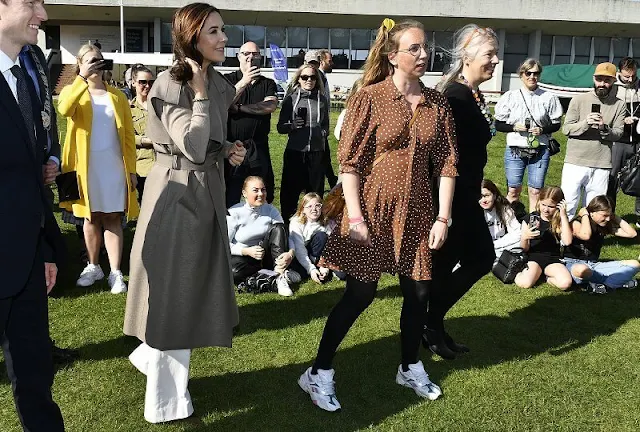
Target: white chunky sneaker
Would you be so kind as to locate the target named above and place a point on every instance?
(90, 274)
(283, 286)
(417, 379)
(292, 276)
(321, 388)
(116, 282)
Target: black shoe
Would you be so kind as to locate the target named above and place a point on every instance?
(63, 355)
(433, 341)
(453, 346)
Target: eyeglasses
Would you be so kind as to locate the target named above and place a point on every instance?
(250, 53)
(478, 31)
(416, 49)
(308, 77)
(532, 73)
(145, 82)
(313, 206)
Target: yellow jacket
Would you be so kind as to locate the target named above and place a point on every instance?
(74, 103)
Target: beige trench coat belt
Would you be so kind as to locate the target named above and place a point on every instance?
(178, 162)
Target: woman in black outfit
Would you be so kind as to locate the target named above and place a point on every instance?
(474, 58)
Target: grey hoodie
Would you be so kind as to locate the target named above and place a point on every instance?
(312, 136)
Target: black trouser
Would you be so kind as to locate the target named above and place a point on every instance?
(235, 177)
(468, 243)
(314, 250)
(140, 187)
(332, 178)
(356, 298)
(620, 153)
(24, 329)
(275, 243)
(301, 171)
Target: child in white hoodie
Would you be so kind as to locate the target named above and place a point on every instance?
(501, 220)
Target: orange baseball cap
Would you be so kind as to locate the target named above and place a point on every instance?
(606, 69)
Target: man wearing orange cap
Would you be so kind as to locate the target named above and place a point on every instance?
(593, 122)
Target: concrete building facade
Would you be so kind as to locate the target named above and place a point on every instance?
(571, 31)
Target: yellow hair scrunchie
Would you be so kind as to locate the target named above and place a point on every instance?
(388, 24)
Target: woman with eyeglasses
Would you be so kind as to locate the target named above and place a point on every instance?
(304, 116)
(396, 135)
(143, 80)
(528, 116)
(469, 248)
(309, 230)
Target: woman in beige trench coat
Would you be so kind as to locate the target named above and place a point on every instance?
(181, 287)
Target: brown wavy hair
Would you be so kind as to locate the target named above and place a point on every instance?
(500, 203)
(377, 66)
(597, 204)
(186, 27)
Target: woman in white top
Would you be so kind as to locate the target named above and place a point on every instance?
(501, 220)
(100, 147)
(529, 116)
(308, 234)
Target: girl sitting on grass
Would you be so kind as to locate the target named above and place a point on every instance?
(308, 234)
(590, 226)
(543, 234)
(500, 217)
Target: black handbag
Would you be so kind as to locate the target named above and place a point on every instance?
(510, 263)
(68, 187)
(629, 176)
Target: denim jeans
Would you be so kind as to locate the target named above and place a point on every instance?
(514, 167)
(612, 274)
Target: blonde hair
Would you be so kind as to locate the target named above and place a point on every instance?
(294, 84)
(303, 202)
(556, 195)
(84, 49)
(377, 66)
(467, 40)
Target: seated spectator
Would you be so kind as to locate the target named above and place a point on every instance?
(543, 234)
(308, 234)
(590, 227)
(501, 219)
(258, 238)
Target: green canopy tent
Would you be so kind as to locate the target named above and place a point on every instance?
(567, 80)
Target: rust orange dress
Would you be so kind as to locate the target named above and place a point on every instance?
(395, 195)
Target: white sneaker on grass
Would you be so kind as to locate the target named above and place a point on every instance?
(116, 282)
(90, 274)
(417, 379)
(283, 286)
(292, 276)
(321, 388)
(632, 284)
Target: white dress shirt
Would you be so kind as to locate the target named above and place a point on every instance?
(5, 67)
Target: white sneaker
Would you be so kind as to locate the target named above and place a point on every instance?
(283, 286)
(90, 275)
(321, 388)
(292, 276)
(116, 282)
(632, 284)
(417, 379)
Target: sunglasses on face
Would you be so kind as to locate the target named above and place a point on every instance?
(308, 77)
(146, 82)
(532, 73)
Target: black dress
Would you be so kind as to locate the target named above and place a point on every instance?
(545, 249)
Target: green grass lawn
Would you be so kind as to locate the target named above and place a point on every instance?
(541, 360)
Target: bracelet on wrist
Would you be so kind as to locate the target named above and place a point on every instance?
(353, 225)
(83, 78)
(200, 99)
(356, 220)
(444, 220)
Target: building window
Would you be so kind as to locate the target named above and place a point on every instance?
(601, 48)
(276, 36)
(339, 39)
(297, 45)
(165, 38)
(360, 44)
(546, 43)
(620, 49)
(256, 34)
(443, 42)
(582, 50)
(235, 33)
(562, 45)
(318, 38)
(516, 50)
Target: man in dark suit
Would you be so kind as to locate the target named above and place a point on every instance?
(27, 227)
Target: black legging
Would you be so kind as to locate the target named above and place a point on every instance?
(275, 243)
(357, 297)
(469, 243)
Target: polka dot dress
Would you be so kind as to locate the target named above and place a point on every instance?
(396, 195)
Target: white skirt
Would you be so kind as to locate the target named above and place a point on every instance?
(107, 181)
(167, 397)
